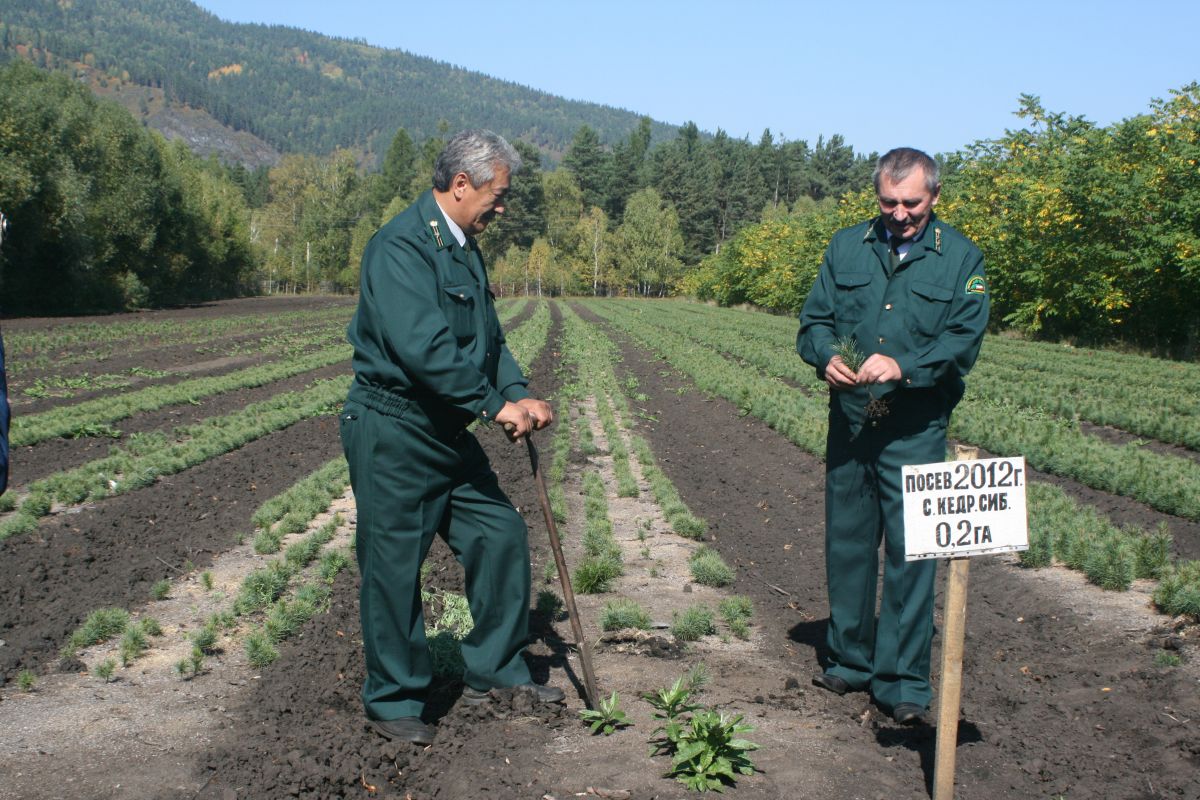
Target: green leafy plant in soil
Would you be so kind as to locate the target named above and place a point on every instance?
(606, 719)
(105, 670)
(708, 752)
(705, 746)
(1178, 591)
(1166, 659)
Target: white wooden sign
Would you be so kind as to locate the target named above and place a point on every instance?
(965, 508)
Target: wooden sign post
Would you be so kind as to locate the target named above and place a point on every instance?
(955, 510)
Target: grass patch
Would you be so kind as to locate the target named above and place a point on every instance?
(100, 626)
(623, 613)
(692, 623)
(709, 569)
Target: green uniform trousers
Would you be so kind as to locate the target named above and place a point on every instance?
(412, 479)
(864, 505)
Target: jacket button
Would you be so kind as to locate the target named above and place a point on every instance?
(881, 340)
(888, 307)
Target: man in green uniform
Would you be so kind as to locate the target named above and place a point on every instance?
(429, 358)
(910, 292)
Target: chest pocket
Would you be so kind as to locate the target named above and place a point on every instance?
(458, 302)
(928, 307)
(852, 296)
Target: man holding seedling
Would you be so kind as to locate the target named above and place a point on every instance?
(893, 323)
(430, 358)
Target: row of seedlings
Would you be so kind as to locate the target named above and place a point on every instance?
(265, 589)
(146, 457)
(285, 592)
(95, 417)
(594, 356)
(92, 341)
(1169, 483)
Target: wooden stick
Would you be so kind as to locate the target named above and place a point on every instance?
(950, 702)
(564, 577)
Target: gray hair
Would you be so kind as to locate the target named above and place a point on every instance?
(899, 163)
(476, 152)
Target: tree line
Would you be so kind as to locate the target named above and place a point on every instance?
(1089, 233)
(632, 218)
(102, 214)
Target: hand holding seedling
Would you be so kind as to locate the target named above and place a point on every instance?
(878, 368)
(838, 375)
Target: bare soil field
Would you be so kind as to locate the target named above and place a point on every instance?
(1061, 696)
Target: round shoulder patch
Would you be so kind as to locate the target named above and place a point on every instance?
(975, 285)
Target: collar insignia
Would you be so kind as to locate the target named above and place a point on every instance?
(437, 234)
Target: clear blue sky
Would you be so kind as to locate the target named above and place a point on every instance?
(799, 68)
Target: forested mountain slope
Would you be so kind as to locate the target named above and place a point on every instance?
(296, 90)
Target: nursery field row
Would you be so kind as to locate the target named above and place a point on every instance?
(802, 419)
(1141, 395)
(1168, 483)
(1129, 369)
(90, 417)
(146, 330)
(34, 351)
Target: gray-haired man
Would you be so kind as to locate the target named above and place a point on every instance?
(429, 358)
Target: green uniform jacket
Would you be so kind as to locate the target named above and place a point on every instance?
(929, 315)
(426, 333)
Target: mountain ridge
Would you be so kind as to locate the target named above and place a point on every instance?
(295, 90)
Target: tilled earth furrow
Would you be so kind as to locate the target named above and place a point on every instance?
(1058, 698)
(110, 552)
(55, 455)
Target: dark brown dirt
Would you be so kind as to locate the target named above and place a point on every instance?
(310, 738)
(1061, 697)
(1054, 702)
(111, 552)
(32, 462)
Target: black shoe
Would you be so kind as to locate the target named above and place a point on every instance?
(405, 729)
(831, 683)
(541, 694)
(908, 714)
